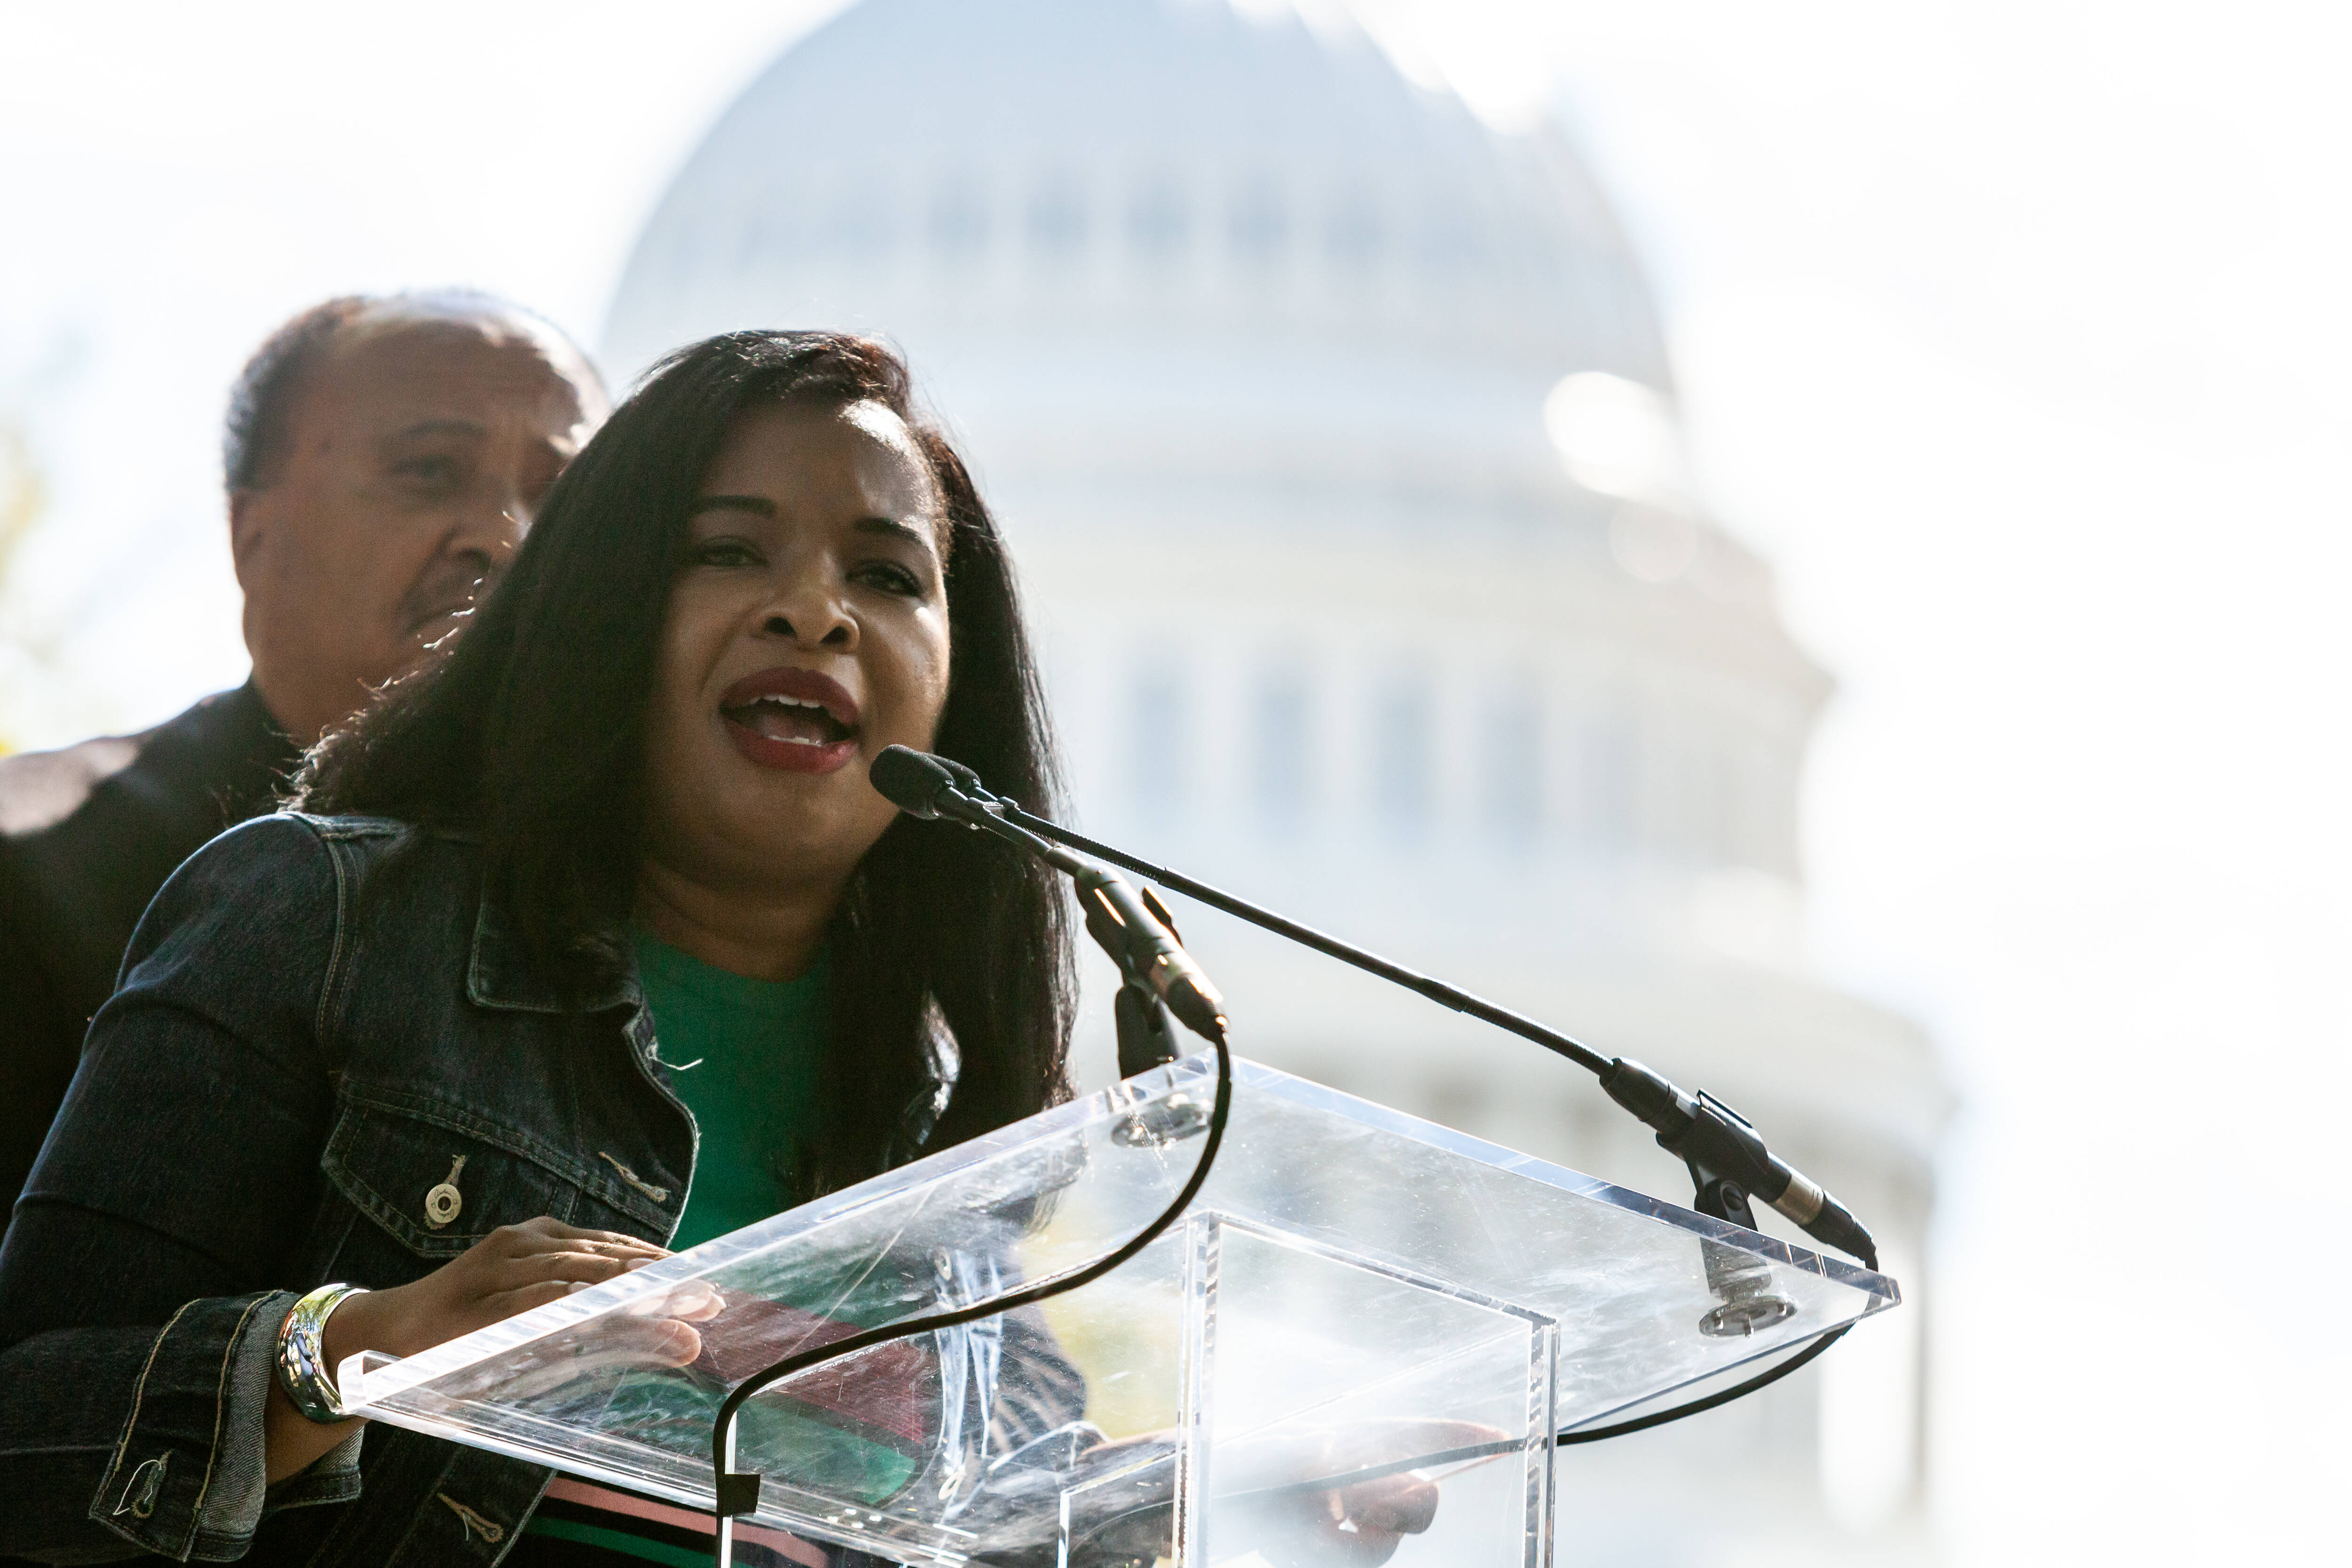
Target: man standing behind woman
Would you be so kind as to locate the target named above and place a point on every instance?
(384, 457)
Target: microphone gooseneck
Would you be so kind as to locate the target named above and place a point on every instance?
(1138, 938)
(1699, 1129)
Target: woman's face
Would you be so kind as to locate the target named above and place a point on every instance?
(807, 630)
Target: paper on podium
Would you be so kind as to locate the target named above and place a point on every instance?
(1356, 1296)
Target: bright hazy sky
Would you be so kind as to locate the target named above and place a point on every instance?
(2015, 334)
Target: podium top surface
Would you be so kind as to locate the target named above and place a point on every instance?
(1363, 1249)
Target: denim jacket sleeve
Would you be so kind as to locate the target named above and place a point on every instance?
(140, 1288)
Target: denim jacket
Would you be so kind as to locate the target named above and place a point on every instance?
(317, 1017)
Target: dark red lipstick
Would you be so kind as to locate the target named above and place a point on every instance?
(792, 720)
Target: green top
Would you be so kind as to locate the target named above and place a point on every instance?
(744, 1055)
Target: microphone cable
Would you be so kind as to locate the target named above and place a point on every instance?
(738, 1494)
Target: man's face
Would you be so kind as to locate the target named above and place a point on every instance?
(413, 458)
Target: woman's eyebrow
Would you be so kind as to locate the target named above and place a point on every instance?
(758, 505)
(896, 530)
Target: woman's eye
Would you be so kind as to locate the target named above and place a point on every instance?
(891, 578)
(724, 552)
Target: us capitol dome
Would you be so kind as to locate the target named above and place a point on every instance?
(1335, 437)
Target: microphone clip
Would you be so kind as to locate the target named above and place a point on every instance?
(1146, 1024)
(1740, 1281)
(1159, 984)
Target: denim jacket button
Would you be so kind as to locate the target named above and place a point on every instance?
(442, 1204)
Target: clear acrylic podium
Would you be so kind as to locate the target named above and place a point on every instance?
(1357, 1300)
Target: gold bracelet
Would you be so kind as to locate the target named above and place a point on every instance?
(302, 1369)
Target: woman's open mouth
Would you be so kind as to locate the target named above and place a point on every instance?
(792, 720)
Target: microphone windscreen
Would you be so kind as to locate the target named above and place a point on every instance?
(909, 780)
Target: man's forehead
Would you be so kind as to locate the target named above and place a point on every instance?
(407, 367)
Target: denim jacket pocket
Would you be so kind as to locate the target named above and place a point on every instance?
(437, 1177)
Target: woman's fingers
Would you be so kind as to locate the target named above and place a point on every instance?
(576, 1262)
(694, 1303)
(689, 1301)
(615, 1258)
(512, 1270)
(504, 1304)
(497, 1306)
(1359, 1526)
(548, 1225)
(1402, 1504)
(670, 1343)
(635, 1343)
(581, 1268)
(641, 1346)
(567, 1272)
(545, 1235)
(527, 1243)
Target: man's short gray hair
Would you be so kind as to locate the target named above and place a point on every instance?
(262, 400)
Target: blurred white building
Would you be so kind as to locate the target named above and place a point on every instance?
(1336, 439)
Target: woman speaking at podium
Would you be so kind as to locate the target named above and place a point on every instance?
(589, 940)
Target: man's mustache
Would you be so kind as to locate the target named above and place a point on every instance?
(449, 585)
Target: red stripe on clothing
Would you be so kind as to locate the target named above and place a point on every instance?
(564, 1489)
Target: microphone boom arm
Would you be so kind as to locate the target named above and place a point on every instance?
(1698, 1129)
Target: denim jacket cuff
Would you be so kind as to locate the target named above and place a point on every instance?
(332, 1476)
(187, 1478)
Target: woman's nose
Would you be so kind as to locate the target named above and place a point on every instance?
(812, 615)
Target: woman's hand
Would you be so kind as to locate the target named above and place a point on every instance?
(1358, 1526)
(512, 1270)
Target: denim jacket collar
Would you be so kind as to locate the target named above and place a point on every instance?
(500, 973)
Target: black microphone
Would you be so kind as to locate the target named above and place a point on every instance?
(1708, 1134)
(930, 788)
(912, 780)
(1151, 948)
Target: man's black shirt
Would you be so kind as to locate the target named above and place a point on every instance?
(86, 835)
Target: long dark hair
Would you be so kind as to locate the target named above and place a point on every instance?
(528, 734)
